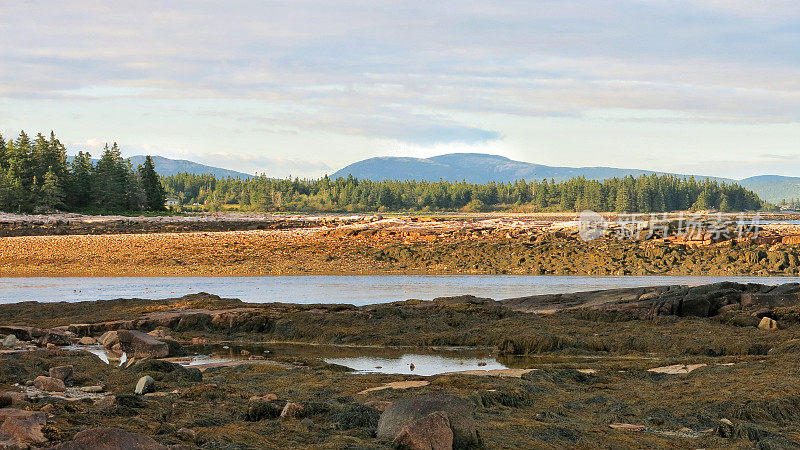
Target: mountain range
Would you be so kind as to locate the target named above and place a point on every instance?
(482, 168)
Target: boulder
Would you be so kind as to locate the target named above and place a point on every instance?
(768, 324)
(145, 385)
(404, 413)
(63, 373)
(109, 339)
(49, 384)
(87, 340)
(431, 432)
(38, 416)
(141, 345)
(10, 341)
(108, 438)
(292, 410)
(26, 430)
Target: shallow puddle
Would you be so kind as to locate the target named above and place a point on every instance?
(416, 364)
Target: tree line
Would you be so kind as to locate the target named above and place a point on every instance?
(37, 176)
(645, 194)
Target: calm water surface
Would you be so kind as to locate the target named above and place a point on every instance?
(357, 290)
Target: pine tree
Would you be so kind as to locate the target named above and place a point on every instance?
(153, 190)
(49, 195)
(3, 155)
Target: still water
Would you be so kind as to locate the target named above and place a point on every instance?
(353, 289)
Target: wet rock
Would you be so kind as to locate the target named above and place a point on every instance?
(431, 432)
(768, 324)
(110, 438)
(87, 340)
(10, 341)
(405, 412)
(174, 348)
(141, 345)
(25, 430)
(63, 373)
(145, 385)
(292, 410)
(49, 384)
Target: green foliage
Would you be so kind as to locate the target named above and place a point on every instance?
(35, 177)
(151, 186)
(649, 193)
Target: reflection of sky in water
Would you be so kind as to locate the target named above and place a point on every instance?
(352, 289)
(424, 365)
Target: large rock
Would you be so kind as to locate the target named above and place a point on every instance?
(404, 413)
(768, 324)
(38, 416)
(26, 430)
(109, 339)
(49, 384)
(141, 345)
(10, 341)
(145, 385)
(431, 432)
(108, 438)
(63, 373)
(22, 333)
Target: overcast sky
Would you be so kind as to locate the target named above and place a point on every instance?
(304, 87)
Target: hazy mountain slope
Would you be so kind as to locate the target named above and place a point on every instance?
(773, 188)
(472, 167)
(166, 167)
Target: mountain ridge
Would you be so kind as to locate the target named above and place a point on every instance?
(483, 168)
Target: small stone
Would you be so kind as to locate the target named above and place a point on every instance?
(10, 341)
(63, 373)
(308, 423)
(198, 341)
(51, 346)
(245, 353)
(92, 389)
(291, 410)
(105, 402)
(145, 385)
(768, 324)
(725, 428)
(87, 340)
(264, 398)
(49, 384)
(46, 408)
(186, 434)
(109, 339)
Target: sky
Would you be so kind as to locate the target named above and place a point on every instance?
(304, 87)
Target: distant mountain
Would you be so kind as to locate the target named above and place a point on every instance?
(167, 167)
(773, 188)
(483, 168)
(474, 168)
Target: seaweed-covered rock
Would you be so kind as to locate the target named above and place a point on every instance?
(108, 438)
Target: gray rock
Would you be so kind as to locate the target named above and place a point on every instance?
(10, 341)
(404, 413)
(145, 385)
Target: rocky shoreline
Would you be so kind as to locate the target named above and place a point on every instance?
(664, 366)
(398, 246)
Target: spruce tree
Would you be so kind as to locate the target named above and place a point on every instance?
(151, 185)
